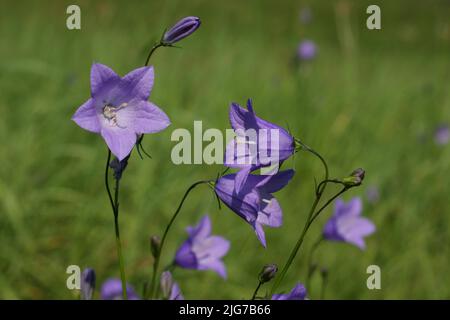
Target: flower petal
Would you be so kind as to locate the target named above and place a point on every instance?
(185, 258)
(144, 117)
(260, 233)
(101, 75)
(202, 230)
(86, 117)
(270, 213)
(138, 83)
(119, 141)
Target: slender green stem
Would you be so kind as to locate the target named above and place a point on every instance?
(344, 189)
(324, 285)
(115, 208)
(153, 290)
(256, 290)
(153, 49)
(319, 192)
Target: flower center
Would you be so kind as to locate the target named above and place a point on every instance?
(109, 112)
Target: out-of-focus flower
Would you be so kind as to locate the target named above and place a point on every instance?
(268, 272)
(307, 50)
(202, 251)
(442, 134)
(347, 225)
(258, 143)
(255, 203)
(182, 29)
(169, 288)
(87, 285)
(372, 194)
(298, 293)
(118, 108)
(112, 290)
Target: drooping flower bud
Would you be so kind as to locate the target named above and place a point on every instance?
(181, 30)
(268, 272)
(87, 285)
(155, 245)
(355, 178)
(119, 166)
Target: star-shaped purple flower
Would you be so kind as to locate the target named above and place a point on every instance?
(258, 143)
(169, 288)
(347, 225)
(202, 251)
(298, 293)
(112, 290)
(118, 108)
(255, 203)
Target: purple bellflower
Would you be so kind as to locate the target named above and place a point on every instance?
(442, 134)
(298, 293)
(255, 203)
(347, 225)
(182, 29)
(112, 290)
(118, 108)
(169, 288)
(307, 50)
(258, 143)
(202, 251)
(87, 284)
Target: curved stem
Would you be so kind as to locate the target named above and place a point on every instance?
(156, 46)
(166, 231)
(256, 290)
(115, 208)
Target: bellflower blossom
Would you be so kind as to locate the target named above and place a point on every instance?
(258, 143)
(255, 203)
(298, 293)
(202, 251)
(307, 50)
(112, 290)
(118, 108)
(87, 284)
(347, 225)
(442, 134)
(169, 288)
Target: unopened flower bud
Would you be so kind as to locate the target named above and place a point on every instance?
(166, 284)
(87, 284)
(268, 272)
(155, 245)
(181, 30)
(355, 178)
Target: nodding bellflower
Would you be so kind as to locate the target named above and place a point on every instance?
(202, 251)
(118, 109)
(169, 288)
(258, 143)
(297, 293)
(347, 225)
(255, 203)
(112, 290)
(182, 29)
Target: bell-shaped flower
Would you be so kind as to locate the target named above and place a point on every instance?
(255, 203)
(203, 251)
(118, 109)
(298, 293)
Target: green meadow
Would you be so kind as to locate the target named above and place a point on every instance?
(370, 98)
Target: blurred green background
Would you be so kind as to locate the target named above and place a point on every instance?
(369, 99)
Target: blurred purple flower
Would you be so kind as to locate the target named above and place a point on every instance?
(298, 293)
(307, 50)
(442, 134)
(87, 284)
(255, 203)
(112, 290)
(258, 143)
(347, 225)
(201, 251)
(118, 108)
(182, 29)
(305, 15)
(169, 288)
(373, 194)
